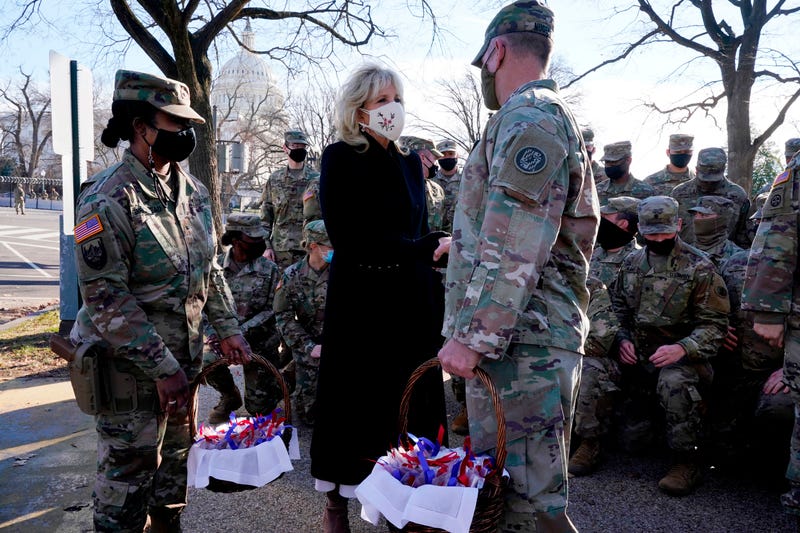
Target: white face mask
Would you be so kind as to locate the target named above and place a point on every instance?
(387, 120)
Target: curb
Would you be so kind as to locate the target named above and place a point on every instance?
(17, 321)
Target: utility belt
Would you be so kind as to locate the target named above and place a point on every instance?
(102, 384)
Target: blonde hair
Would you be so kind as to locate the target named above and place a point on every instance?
(362, 85)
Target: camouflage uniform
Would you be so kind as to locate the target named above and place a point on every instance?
(524, 226)
(662, 300)
(450, 184)
(665, 180)
(597, 169)
(755, 215)
(711, 234)
(630, 186)
(283, 206)
(772, 293)
(19, 199)
(711, 180)
(300, 309)
(252, 286)
(604, 264)
(434, 192)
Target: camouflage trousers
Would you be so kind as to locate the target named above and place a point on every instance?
(538, 387)
(261, 390)
(305, 391)
(598, 390)
(791, 376)
(676, 389)
(141, 461)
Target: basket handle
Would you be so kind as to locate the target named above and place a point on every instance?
(201, 377)
(500, 456)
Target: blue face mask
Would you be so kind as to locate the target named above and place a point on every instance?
(328, 257)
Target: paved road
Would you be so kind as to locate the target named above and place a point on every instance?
(29, 258)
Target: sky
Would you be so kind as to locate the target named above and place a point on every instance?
(587, 32)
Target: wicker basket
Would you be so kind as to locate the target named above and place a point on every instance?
(218, 485)
(489, 507)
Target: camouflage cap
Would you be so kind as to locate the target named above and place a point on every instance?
(679, 142)
(588, 136)
(315, 231)
(792, 146)
(410, 142)
(712, 205)
(447, 145)
(711, 164)
(170, 96)
(295, 136)
(517, 17)
(247, 223)
(621, 204)
(616, 151)
(658, 214)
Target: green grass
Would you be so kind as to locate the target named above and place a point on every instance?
(25, 350)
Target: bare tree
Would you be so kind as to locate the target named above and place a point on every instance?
(311, 110)
(742, 64)
(27, 124)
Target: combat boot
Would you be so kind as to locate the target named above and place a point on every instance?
(585, 458)
(460, 424)
(164, 520)
(682, 478)
(335, 519)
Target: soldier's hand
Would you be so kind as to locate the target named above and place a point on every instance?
(173, 392)
(772, 333)
(236, 350)
(442, 249)
(269, 253)
(775, 384)
(667, 355)
(316, 351)
(627, 352)
(458, 359)
(731, 341)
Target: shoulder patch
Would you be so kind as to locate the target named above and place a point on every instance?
(530, 160)
(776, 200)
(308, 195)
(87, 228)
(94, 254)
(783, 177)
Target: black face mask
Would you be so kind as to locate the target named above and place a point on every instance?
(610, 236)
(174, 145)
(447, 163)
(432, 171)
(298, 155)
(615, 172)
(707, 186)
(253, 250)
(680, 160)
(661, 247)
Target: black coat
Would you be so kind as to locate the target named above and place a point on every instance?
(382, 314)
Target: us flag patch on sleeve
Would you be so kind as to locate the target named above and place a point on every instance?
(781, 178)
(309, 194)
(87, 228)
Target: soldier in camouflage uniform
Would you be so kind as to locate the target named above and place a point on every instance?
(754, 219)
(617, 160)
(599, 383)
(434, 192)
(619, 223)
(598, 171)
(711, 181)
(711, 217)
(19, 199)
(449, 177)
(673, 311)
(252, 279)
(772, 293)
(284, 199)
(677, 170)
(300, 309)
(516, 301)
(145, 254)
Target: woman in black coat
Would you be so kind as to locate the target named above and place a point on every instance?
(381, 318)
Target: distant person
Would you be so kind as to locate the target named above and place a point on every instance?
(616, 237)
(434, 192)
(19, 199)
(449, 177)
(598, 171)
(283, 201)
(373, 203)
(617, 160)
(710, 180)
(677, 170)
(525, 222)
(147, 271)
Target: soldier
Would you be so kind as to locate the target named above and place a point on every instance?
(772, 294)
(711, 181)
(525, 222)
(754, 219)
(677, 170)
(449, 177)
(145, 254)
(599, 383)
(252, 279)
(619, 223)
(617, 159)
(434, 192)
(283, 201)
(711, 221)
(300, 309)
(598, 171)
(673, 312)
(19, 199)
